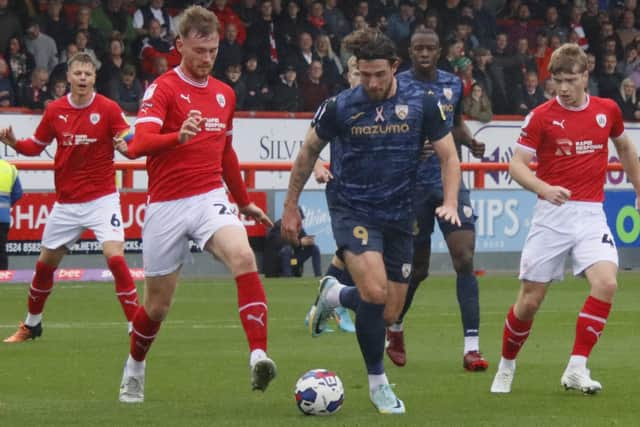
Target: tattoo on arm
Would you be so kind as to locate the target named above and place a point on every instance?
(303, 165)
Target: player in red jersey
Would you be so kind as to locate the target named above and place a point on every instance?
(184, 128)
(569, 136)
(84, 124)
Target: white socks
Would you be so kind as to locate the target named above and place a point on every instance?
(33, 319)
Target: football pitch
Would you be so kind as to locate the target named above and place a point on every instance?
(197, 372)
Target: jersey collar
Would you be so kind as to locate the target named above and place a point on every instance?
(80, 106)
(579, 108)
(183, 77)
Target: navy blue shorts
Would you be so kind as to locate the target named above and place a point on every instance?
(356, 234)
(426, 200)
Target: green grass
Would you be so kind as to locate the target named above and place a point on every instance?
(197, 372)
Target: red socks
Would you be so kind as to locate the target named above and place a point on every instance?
(515, 334)
(40, 287)
(125, 286)
(589, 326)
(252, 305)
(144, 332)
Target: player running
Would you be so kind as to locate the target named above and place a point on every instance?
(424, 50)
(569, 136)
(184, 127)
(376, 131)
(84, 124)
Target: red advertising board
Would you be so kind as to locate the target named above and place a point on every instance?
(30, 214)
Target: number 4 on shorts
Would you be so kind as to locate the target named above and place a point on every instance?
(607, 239)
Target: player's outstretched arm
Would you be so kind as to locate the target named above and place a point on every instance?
(519, 170)
(7, 137)
(302, 168)
(450, 164)
(629, 159)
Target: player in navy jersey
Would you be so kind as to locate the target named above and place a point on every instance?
(424, 51)
(377, 131)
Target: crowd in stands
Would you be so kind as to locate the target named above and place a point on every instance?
(284, 55)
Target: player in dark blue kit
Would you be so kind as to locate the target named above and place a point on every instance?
(424, 50)
(377, 131)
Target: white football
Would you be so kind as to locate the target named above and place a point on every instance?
(319, 392)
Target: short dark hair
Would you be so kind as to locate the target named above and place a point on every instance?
(370, 44)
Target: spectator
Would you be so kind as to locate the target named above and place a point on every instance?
(484, 23)
(283, 259)
(331, 64)
(126, 89)
(60, 71)
(286, 95)
(21, 62)
(316, 18)
(401, 22)
(265, 41)
(58, 90)
(491, 77)
(522, 27)
(9, 25)
(549, 89)
(42, 47)
(7, 94)
(233, 77)
(627, 30)
(530, 94)
(10, 193)
(525, 63)
(155, 45)
(160, 66)
(258, 92)
(609, 80)
(247, 11)
(454, 51)
(111, 66)
(591, 21)
(83, 22)
(465, 72)
(432, 21)
(54, 24)
(303, 55)
(154, 10)
(592, 85)
(626, 99)
(291, 24)
(82, 43)
(477, 105)
(312, 89)
(630, 62)
(422, 9)
(113, 19)
(606, 34)
(226, 16)
(575, 26)
(336, 24)
(230, 51)
(552, 25)
(542, 56)
(464, 33)
(35, 93)
(449, 12)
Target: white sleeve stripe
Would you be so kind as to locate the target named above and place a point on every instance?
(525, 148)
(149, 120)
(37, 141)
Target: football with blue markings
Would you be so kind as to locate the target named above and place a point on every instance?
(319, 392)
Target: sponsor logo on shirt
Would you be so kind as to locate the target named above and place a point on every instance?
(69, 139)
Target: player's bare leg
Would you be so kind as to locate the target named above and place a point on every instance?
(158, 295)
(230, 244)
(589, 326)
(41, 287)
(516, 331)
(124, 285)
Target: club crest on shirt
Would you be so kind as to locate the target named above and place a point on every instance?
(601, 120)
(448, 93)
(148, 94)
(94, 118)
(221, 101)
(402, 111)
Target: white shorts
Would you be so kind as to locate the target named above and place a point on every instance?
(68, 221)
(578, 229)
(168, 226)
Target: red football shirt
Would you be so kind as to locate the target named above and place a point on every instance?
(572, 144)
(194, 167)
(84, 156)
